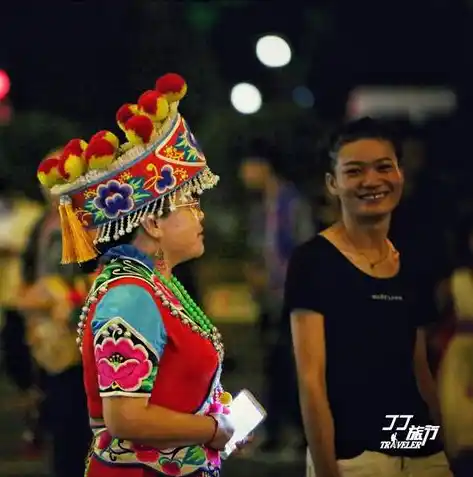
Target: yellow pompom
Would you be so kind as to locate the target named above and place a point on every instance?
(107, 136)
(126, 112)
(73, 167)
(162, 109)
(72, 163)
(133, 138)
(173, 86)
(101, 151)
(154, 105)
(139, 130)
(49, 173)
(226, 398)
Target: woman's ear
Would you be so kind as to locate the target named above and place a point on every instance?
(151, 226)
(402, 173)
(331, 184)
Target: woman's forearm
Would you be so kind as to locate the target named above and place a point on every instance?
(160, 427)
(164, 444)
(319, 430)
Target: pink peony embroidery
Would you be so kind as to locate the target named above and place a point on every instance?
(121, 364)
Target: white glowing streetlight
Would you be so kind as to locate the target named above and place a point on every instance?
(246, 98)
(273, 51)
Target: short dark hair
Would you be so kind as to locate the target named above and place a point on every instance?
(364, 128)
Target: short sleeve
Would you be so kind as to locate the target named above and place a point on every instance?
(302, 289)
(129, 339)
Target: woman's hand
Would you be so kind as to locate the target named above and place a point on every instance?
(223, 432)
(242, 445)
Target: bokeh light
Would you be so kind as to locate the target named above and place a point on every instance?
(4, 84)
(246, 98)
(273, 51)
(303, 97)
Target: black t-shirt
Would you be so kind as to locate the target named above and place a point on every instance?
(370, 330)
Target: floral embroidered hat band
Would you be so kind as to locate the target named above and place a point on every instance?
(108, 188)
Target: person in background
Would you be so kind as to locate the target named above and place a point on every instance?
(455, 349)
(455, 293)
(456, 398)
(279, 220)
(18, 214)
(358, 319)
(415, 226)
(51, 299)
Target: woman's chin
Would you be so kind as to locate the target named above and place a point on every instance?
(200, 250)
(196, 251)
(192, 252)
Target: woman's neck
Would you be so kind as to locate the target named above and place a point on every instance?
(367, 234)
(165, 271)
(148, 247)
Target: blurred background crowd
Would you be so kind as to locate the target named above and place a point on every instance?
(267, 80)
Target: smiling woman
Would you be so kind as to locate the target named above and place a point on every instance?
(357, 318)
(365, 174)
(152, 358)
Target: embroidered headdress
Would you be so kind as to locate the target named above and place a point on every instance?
(108, 188)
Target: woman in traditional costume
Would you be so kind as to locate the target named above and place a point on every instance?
(152, 358)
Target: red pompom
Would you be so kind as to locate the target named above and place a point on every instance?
(139, 129)
(100, 153)
(126, 112)
(48, 164)
(172, 85)
(108, 136)
(98, 148)
(72, 163)
(154, 105)
(98, 135)
(48, 172)
(74, 147)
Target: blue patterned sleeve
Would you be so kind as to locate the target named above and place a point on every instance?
(129, 339)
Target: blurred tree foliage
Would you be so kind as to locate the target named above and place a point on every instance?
(26, 141)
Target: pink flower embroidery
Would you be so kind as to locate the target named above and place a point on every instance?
(213, 456)
(121, 364)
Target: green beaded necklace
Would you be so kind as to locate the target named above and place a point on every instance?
(193, 310)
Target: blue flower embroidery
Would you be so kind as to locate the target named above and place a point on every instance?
(167, 180)
(114, 198)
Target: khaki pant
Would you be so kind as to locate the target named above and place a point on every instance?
(374, 464)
